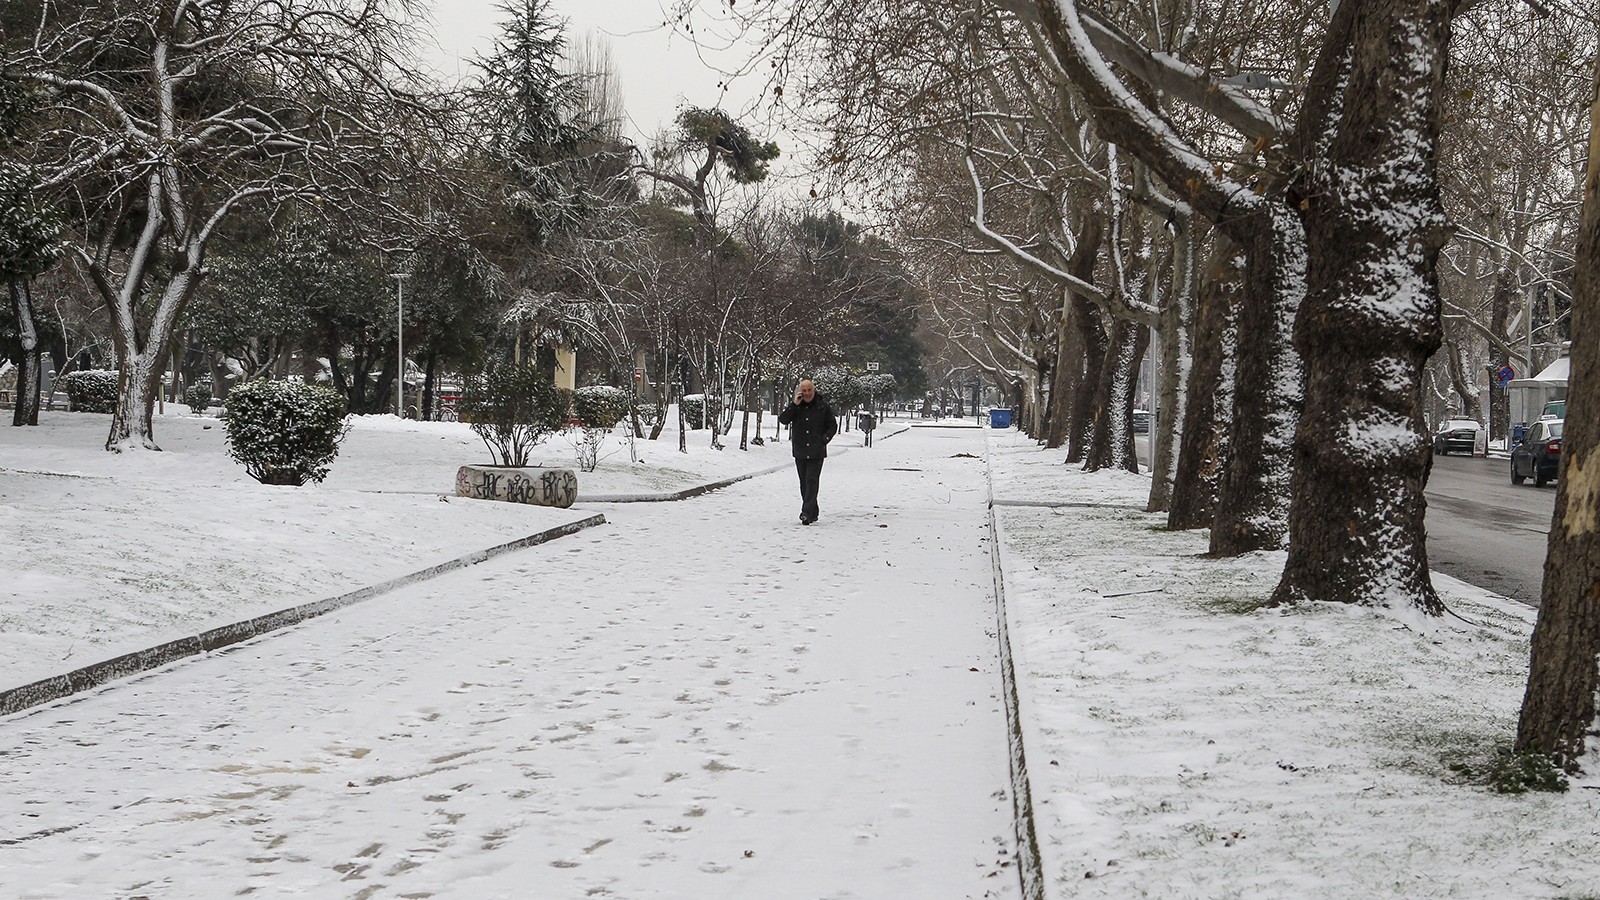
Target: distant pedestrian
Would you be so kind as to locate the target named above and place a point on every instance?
(811, 427)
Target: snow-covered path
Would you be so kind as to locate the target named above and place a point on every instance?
(699, 700)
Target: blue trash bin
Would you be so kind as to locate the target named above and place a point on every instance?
(1518, 432)
(999, 418)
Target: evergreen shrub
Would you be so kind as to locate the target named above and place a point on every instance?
(599, 406)
(198, 396)
(90, 390)
(284, 432)
(693, 404)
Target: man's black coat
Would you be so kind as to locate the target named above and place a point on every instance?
(811, 427)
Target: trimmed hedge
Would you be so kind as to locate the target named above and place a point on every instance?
(599, 406)
(90, 390)
(693, 404)
(285, 432)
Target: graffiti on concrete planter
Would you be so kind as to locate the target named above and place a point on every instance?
(541, 487)
(560, 487)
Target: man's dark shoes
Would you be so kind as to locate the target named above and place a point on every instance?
(807, 520)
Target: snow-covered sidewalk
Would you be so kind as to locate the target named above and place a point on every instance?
(1184, 742)
(700, 699)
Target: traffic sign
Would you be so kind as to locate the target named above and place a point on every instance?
(872, 367)
(1505, 375)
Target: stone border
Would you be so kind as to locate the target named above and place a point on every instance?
(1030, 867)
(94, 675)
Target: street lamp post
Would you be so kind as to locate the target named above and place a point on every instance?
(399, 343)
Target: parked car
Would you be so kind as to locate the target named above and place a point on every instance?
(1141, 421)
(1538, 454)
(1460, 435)
(1554, 409)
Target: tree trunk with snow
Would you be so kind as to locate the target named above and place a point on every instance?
(26, 410)
(1252, 507)
(1111, 445)
(1073, 343)
(1467, 402)
(1177, 317)
(1209, 405)
(142, 353)
(1558, 710)
(1092, 335)
(1499, 423)
(1372, 313)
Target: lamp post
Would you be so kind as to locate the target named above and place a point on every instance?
(399, 343)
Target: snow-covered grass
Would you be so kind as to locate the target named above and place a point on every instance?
(1183, 741)
(116, 552)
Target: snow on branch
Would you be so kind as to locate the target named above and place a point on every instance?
(1044, 268)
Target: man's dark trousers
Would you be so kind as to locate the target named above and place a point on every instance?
(810, 476)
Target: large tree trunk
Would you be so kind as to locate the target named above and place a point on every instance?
(1466, 391)
(1092, 335)
(1072, 345)
(1372, 316)
(26, 411)
(1558, 710)
(1208, 409)
(138, 383)
(1112, 444)
(1064, 377)
(1252, 508)
(1177, 317)
(142, 363)
(425, 413)
(1499, 318)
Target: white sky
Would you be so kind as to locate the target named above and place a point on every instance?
(660, 71)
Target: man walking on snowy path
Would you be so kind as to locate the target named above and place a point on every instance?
(811, 427)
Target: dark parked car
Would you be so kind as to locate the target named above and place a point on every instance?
(1459, 435)
(1538, 454)
(1141, 421)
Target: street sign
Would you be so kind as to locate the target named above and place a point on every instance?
(638, 374)
(872, 367)
(1505, 375)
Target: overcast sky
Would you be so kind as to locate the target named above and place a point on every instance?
(660, 71)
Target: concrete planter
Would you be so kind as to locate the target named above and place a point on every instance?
(541, 487)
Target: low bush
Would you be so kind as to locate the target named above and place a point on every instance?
(694, 410)
(649, 411)
(599, 406)
(284, 432)
(198, 396)
(512, 407)
(90, 390)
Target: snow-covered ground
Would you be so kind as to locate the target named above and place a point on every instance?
(703, 699)
(1184, 742)
(117, 552)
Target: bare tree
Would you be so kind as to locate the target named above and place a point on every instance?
(184, 111)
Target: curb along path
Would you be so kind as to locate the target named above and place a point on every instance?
(94, 675)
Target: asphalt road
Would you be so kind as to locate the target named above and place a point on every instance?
(1485, 531)
(1481, 528)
